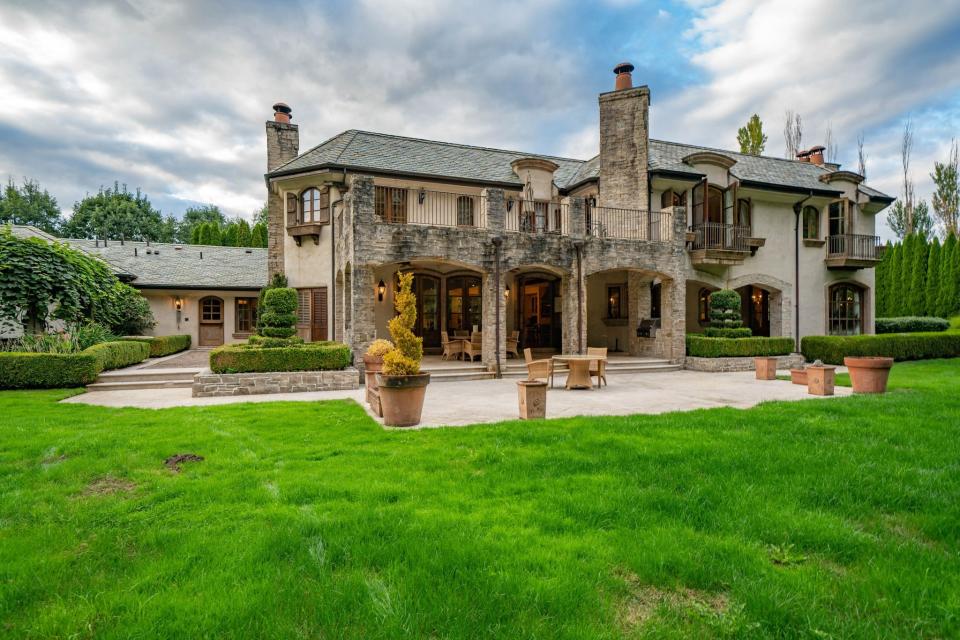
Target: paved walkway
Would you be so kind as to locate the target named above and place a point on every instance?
(191, 359)
(476, 401)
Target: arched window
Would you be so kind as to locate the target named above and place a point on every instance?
(846, 310)
(811, 223)
(703, 306)
(464, 211)
(314, 206)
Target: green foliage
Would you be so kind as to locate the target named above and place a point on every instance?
(277, 318)
(725, 309)
(881, 273)
(922, 221)
(312, 356)
(209, 234)
(948, 300)
(270, 343)
(751, 138)
(53, 342)
(404, 359)
(911, 324)
(258, 235)
(47, 370)
(163, 345)
(189, 226)
(946, 197)
(899, 346)
(932, 282)
(916, 292)
(236, 234)
(115, 213)
(122, 353)
(703, 347)
(29, 204)
(739, 332)
(88, 334)
(42, 281)
(919, 278)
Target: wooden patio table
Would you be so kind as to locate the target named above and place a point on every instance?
(579, 376)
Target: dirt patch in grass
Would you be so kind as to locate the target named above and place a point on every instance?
(173, 462)
(108, 485)
(644, 599)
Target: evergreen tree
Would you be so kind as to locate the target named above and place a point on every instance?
(951, 295)
(258, 235)
(889, 282)
(903, 277)
(193, 217)
(243, 233)
(944, 274)
(228, 237)
(917, 293)
(931, 297)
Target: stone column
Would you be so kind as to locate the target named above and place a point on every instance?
(495, 209)
(492, 290)
(671, 338)
(578, 218)
(679, 227)
(361, 295)
(574, 310)
(638, 300)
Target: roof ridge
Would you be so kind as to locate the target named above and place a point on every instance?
(469, 146)
(738, 153)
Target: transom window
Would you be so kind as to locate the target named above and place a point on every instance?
(846, 310)
(246, 313)
(811, 223)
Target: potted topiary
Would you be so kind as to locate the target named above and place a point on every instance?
(402, 387)
(868, 374)
(372, 365)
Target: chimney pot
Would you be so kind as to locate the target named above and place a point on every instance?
(624, 79)
(816, 155)
(282, 113)
(803, 156)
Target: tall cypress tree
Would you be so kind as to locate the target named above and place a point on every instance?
(903, 277)
(953, 295)
(932, 296)
(947, 290)
(880, 282)
(892, 280)
(918, 278)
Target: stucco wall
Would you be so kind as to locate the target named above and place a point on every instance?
(165, 313)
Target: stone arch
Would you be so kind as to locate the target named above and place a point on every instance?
(779, 296)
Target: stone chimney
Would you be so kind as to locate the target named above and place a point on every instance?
(816, 155)
(624, 135)
(283, 145)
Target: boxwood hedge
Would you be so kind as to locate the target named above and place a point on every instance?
(727, 332)
(163, 345)
(247, 358)
(910, 324)
(899, 346)
(704, 347)
(47, 370)
(122, 353)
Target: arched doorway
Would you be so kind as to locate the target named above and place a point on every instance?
(211, 322)
(464, 303)
(537, 311)
(755, 309)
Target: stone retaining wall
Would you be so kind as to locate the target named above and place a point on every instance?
(739, 364)
(208, 384)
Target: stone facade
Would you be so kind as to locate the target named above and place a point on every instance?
(739, 364)
(624, 148)
(208, 384)
(283, 144)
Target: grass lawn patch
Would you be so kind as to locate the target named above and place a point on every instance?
(835, 518)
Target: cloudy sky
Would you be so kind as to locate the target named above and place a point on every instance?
(171, 96)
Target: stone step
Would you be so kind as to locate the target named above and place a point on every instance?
(146, 375)
(143, 384)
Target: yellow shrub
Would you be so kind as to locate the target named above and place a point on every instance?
(404, 359)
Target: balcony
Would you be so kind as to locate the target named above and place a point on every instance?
(396, 205)
(719, 244)
(537, 217)
(852, 251)
(629, 224)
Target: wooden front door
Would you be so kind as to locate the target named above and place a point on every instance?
(312, 314)
(211, 322)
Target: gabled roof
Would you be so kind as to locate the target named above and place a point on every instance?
(171, 266)
(383, 153)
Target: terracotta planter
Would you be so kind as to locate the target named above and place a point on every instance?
(820, 380)
(533, 399)
(766, 367)
(869, 374)
(401, 398)
(798, 376)
(371, 367)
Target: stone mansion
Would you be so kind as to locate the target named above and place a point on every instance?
(618, 251)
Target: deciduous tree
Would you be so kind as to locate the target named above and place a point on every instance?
(29, 204)
(751, 137)
(115, 213)
(946, 197)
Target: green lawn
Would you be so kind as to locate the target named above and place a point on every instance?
(823, 519)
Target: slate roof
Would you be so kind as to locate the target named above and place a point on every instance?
(172, 265)
(379, 152)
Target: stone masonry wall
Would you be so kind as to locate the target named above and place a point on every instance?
(283, 144)
(624, 148)
(208, 384)
(717, 365)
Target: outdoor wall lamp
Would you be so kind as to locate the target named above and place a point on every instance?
(506, 292)
(510, 204)
(421, 196)
(178, 305)
(381, 289)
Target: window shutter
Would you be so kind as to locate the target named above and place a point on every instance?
(291, 209)
(323, 215)
(303, 308)
(320, 311)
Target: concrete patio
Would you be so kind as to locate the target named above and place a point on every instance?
(479, 401)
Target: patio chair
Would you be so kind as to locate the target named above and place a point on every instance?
(451, 348)
(513, 344)
(598, 368)
(538, 369)
(473, 347)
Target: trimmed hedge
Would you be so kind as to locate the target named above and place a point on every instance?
(728, 332)
(162, 345)
(47, 370)
(910, 324)
(123, 353)
(899, 346)
(254, 359)
(703, 347)
(272, 343)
